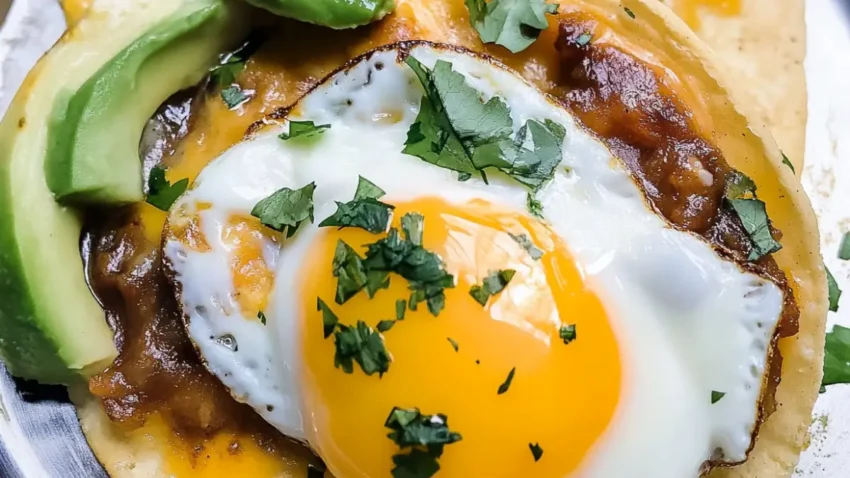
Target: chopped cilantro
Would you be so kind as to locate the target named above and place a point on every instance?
(507, 383)
(363, 345)
(303, 129)
(629, 12)
(348, 269)
(161, 193)
(233, 96)
(536, 153)
(225, 74)
(367, 189)
(416, 464)
(492, 285)
(514, 24)
(364, 211)
(412, 225)
(400, 307)
(454, 343)
(583, 39)
(261, 317)
(526, 244)
(536, 451)
(716, 396)
(787, 162)
(834, 291)
(836, 362)
(425, 435)
(286, 209)
(844, 248)
(385, 325)
(375, 281)
(757, 225)
(534, 206)
(739, 185)
(329, 319)
(568, 333)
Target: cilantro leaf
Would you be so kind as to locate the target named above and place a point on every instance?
(629, 12)
(834, 291)
(375, 281)
(412, 225)
(836, 362)
(526, 244)
(538, 152)
(349, 271)
(739, 185)
(261, 317)
(161, 193)
(514, 24)
(233, 96)
(568, 333)
(400, 308)
(385, 325)
(286, 209)
(410, 428)
(787, 162)
(303, 129)
(363, 345)
(454, 343)
(757, 225)
(844, 248)
(507, 383)
(367, 213)
(225, 74)
(492, 285)
(329, 319)
(534, 206)
(367, 190)
(536, 451)
(716, 396)
(416, 464)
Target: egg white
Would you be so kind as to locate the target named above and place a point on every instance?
(687, 321)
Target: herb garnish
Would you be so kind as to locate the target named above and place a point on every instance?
(514, 24)
(716, 396)
(286, 209)
(363, 345)
(303, 129)
(329, 319)
(261, 317)
(534, 206)
(385, 325)
(492, 285)
(844, 248)
(568, 333)
(836, 361)
(225, 73)
(629, 12)
(834, 291)
(787, 162)
(536, 451)
(400, 308)
(161, 193)
(454, 343)
(583, 39)
(507, 383)
(741, 199)
(348, 269)
(455, 129)
(528, 245)
(233, 96)
(364, 211)
(425, 435)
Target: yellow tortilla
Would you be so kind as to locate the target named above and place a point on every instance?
(724, 106)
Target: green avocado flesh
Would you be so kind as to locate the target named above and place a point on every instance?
(94, 131)
(51, 327)
(330, 13)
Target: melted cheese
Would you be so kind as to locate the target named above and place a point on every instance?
(690, 10)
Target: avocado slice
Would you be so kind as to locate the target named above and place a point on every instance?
(330, 13)
(95, 128)
(51, 327)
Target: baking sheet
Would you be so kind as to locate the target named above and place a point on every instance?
(39, 432)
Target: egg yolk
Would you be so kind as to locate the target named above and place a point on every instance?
(562, 396)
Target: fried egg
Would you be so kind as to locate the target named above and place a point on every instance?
(672, 340)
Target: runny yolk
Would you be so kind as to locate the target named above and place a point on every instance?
(562, 396)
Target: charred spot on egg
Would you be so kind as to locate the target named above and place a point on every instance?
(446, 199)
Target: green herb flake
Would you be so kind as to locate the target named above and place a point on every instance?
(286, 209)
(528, 245)
(787, 162)
(400, 309)
(492, 285)
(225, 74)
(844, 248)
(364, 211)
(424, 435)
(161, 193)
(348, 268)
(454, 343)
(329, 319)
(534, 206)
(233, 96)
(385, 325)
(836, 362)
(739, 185)
(834, 291)
(367, 190)
(536, 451)
(303, 130)
(568, 333)
(716, 396)
(412, 226)
(363, 345)
(629, 12)
(507, 383)
(261, 317)
(375, 281)
(514, 24)
(583, 39)
(757, 226)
